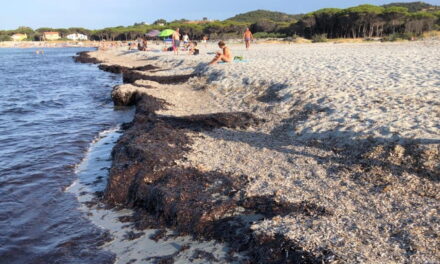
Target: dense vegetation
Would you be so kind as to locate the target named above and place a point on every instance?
(257, 15)
(414, 6)
(364, 21)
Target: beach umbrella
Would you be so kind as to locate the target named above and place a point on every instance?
(153, 33)
(166, 33)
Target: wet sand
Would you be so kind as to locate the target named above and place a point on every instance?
(127, 243)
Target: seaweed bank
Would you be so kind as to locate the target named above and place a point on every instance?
(318, 152)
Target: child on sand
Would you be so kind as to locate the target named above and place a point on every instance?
(225, 55)
(193, 50)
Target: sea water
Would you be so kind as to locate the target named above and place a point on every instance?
(50, 110)
(58, 126)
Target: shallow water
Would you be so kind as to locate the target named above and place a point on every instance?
(58, 126)
(50, 110)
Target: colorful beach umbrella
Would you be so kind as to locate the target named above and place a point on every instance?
(153, 33)
(166, 33)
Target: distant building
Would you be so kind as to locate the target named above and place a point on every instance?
(141, 24)
(203, 21)
(77, 36)
(18, 37)
(51, 36)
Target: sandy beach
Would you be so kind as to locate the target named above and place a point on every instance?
(330, 149)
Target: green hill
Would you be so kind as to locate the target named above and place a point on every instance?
(257, 15)
(415, 6)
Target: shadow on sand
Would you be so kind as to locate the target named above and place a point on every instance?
(353, 150)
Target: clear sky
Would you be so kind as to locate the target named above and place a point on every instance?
(95, 14)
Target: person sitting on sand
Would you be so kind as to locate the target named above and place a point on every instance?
(193, 50)
(225, 56)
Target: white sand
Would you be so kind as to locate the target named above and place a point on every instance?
(323, 102)
(366, 89)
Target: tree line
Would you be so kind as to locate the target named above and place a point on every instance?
(364, 21)
(413, 6)
(215, 30)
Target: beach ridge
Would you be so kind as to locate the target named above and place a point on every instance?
(218, 157)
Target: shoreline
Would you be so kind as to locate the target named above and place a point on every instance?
(181, 163)
(274, 41)
(183, 216)
(53, 44)
(123, 239)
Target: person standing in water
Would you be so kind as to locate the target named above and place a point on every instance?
(176, 41)
(247, 36)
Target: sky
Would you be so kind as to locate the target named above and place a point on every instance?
(96, 14)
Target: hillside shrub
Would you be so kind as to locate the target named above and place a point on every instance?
(399, 36)
(261, 35)
(319, 38)
(5, 38)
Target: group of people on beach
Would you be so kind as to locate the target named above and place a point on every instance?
(190, 46)
(224, 56)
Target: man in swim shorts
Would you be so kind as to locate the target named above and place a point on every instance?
(176, 41)
(248, 37)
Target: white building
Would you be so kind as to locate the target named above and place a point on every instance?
(77, 36)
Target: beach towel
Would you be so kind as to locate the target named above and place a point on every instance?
(235, 61)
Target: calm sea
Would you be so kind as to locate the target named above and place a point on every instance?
(50, 111)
